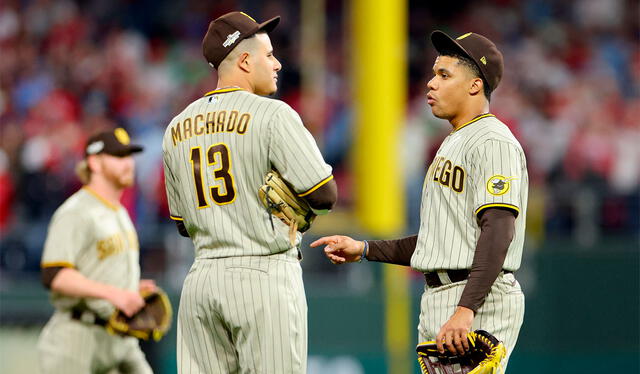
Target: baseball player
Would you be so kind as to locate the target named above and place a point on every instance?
(473, 210)
(90, 264)
(243, 306)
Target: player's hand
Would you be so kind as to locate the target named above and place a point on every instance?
(340, 249)
(453, 334)
(147, 285)
(128, 301)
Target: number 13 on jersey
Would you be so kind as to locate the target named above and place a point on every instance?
(217, 156)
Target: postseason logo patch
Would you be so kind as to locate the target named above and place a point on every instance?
(499, 184)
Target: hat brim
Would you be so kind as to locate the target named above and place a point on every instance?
(444, 43)
(127, 150)
(134, 148)
(269, 25)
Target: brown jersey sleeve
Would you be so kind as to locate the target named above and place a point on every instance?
(396, 251)
(48, 274)
(325, 197)
(498, 227)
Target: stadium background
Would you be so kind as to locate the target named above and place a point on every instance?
(570, 94)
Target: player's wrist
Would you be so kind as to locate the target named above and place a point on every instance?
(364, 250)
(465, 310)
(109, 293)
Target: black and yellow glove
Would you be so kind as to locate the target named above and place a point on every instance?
(484, 356)
(152, 321)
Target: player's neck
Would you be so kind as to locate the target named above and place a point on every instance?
(105, 190)
(232, 82)
(468, 113)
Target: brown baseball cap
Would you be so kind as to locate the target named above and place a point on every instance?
(478, 48)
(227, 31)
(115, 142)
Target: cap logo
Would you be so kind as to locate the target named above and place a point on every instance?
(231, 38)
(463, 36)
(122, 136)
(483, 60)
(95, 147)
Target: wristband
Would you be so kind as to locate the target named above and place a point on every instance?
(364, 250)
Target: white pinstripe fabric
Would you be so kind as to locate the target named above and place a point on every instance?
(243, 315)
(449, 228)
(67, 346)
(80, 231)
(275, 137)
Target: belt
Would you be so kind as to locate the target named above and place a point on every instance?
(439, 277)
(87, 316)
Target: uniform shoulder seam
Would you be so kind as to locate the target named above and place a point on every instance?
(500, 138)
(72, 206)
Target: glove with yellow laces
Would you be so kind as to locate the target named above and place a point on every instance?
(484, 356)
(282, 201)
(152, 321)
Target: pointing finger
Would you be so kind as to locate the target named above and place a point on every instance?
(324, 240)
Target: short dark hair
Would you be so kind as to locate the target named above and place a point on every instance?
(473, 68)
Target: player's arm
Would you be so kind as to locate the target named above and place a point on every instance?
(182, 229)
(341, 249)
(293, 152)
(324, 198)
(497, 227)
(396, 251)
(66, 238)
(497, 197)
(172, 196)
(71, 282)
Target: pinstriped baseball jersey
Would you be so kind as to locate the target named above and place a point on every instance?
(478, 166)
(99, 240)
(216, 153)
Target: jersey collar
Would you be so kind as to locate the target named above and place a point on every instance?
(101, 199)
(223, 90)
(474, 120)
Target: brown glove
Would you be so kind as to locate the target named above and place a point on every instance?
(484, 356)
(281, 201)
(153, 320)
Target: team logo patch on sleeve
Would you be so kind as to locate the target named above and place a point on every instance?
(499, 184)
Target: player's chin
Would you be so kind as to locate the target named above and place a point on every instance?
(437, 112)
(267, 91)
(273, 89)
(127, 181)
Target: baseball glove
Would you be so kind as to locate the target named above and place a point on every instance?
(484, 356)
(153, 320)
(281, 201)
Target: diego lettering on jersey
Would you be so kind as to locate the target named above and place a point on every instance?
(447, 174)
(210, 123)
(116, 243)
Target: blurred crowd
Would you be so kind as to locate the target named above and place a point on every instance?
(69, 68)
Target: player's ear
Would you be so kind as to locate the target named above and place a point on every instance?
(476, 86)
(243, 62)
(94, 163)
